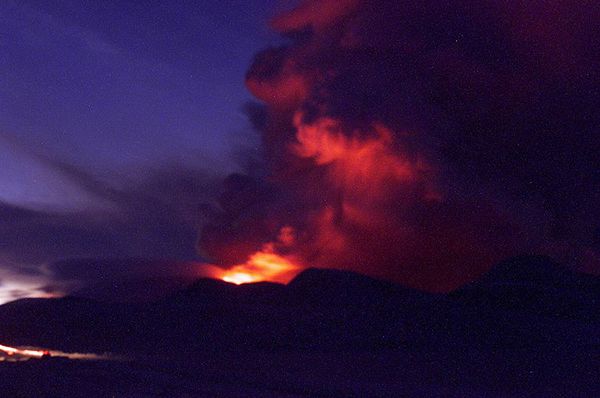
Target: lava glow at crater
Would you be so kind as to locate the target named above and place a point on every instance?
(262, 266)
(239, 277)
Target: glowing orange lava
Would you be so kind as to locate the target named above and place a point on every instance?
(239, 277)
(262, 266)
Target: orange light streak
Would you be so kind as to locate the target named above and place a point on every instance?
(29, 353)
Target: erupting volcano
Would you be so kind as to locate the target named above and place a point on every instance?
(396, 146)
(355, 176)
(396, 198)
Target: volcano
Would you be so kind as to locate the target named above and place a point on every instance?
(353, 234)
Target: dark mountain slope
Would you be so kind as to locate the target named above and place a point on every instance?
(515, 305)
(535, 285)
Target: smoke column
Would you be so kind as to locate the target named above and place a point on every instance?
(421, 141)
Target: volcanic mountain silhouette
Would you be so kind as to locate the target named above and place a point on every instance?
(128, 279)
(522, 301)
(536, 285)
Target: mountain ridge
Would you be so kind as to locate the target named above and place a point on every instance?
(322, 309)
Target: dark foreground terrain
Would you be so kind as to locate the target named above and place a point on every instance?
(527, 328)
(389, 373)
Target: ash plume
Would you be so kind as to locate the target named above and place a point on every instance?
(422, 141)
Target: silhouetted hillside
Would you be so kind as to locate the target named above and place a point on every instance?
(535, 285)
(327, 287)
(68, 323)
(125, 280)
(522, 302)
(213, 291)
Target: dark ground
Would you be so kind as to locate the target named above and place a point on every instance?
(395, 373)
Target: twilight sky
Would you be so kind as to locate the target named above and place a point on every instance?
(96, 96)
(118, 86)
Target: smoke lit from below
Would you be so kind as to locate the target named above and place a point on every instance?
(262, 266)
(405, 152)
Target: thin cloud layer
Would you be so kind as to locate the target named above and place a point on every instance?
(154, 219)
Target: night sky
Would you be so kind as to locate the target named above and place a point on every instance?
(418, 141)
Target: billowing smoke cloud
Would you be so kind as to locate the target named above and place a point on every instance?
(422, 140)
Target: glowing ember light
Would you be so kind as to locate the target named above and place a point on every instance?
(238, 278)
(266, 264)
(262, 266)
(29, 353)
(21, 354)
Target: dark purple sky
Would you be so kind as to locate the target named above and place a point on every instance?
(100, 97)
(117, 86)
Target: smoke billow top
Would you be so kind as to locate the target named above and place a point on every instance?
(421, 141)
